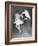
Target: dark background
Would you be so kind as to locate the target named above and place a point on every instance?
(14, 32)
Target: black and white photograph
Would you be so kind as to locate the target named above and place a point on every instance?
(21, 22)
